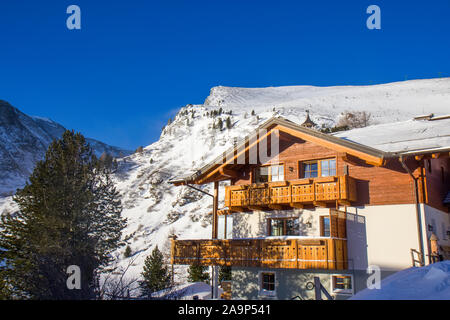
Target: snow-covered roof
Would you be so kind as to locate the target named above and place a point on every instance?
(403, 137)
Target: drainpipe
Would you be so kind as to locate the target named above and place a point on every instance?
(416, 202)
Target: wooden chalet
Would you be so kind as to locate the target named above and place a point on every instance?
(315, 172)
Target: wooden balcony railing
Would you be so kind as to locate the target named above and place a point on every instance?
(294, 193)
(320, 253)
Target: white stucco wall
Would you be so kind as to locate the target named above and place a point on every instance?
(377, 235)
(382, 236)
(440, 221)
(254, 224)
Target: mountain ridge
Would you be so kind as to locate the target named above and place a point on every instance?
(23, 142)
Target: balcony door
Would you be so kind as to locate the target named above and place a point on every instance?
(283, 227)
(225, 227)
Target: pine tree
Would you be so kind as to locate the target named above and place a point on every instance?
(253, 112)
(156, 274)
(228, 122)
(128, 252)
(197, 273)
(69, 214)
(220, 124)
(4, 290)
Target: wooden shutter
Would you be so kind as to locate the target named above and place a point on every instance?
(338, 223)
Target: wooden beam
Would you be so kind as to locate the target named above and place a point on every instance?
(256, 208)
(228, 173)
(297, 205)
(320, 204)
(377, 163)
(215, 208)
(276, 206)
(238, 209)
(223, 212)
(419, 157)
(344, 202)
(344, 156)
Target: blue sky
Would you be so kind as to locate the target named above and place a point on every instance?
(134, 63)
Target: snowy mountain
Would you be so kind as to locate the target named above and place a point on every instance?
(23, 142)
(155, 209)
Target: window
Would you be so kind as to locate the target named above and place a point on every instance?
(277, 173)
(325, 226)
(268, 281)
(269, 173)
(328, 168)
(283, 227)
(225, 227)
(310, 169)
(276, 227)
(342, 284)
(319, 168)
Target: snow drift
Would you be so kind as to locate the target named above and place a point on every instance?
(426, 283)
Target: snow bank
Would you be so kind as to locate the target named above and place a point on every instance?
(200, 290)
(427, 283)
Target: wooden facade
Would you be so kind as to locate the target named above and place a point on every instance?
(374, 185)
(315, 253)
(361, 178)
(293, 193)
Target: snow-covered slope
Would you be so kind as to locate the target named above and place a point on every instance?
(387, 102)
(23, 142)
(155, 209)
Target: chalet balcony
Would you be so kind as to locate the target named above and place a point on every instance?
(293, 193)
(305, 253)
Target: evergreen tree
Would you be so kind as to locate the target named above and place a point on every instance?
(4, 290)
(69, 214)
(107, 160)
(228, 122)
(198, 273)
(128, 252)
(220, 124)
(224, 274)
(156, 274)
